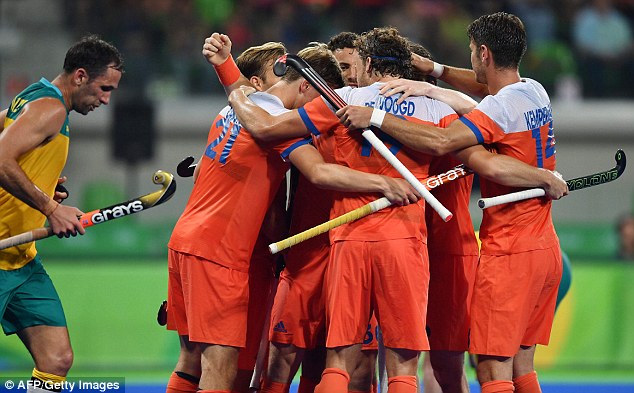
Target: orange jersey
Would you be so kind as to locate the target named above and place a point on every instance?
(517, 121)
(457, 236)
(353, 151)
(238, 180)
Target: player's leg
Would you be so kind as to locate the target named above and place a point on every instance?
(336, 378)
(449, 371)
(363, 375)
(313, 366)
(284, 361)
(430, 384)
(186, 375)
(31, 308)
(219, 366)
(402, 365)
(495, 374)
(524, 375)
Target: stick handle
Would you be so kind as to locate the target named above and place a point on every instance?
(355, 214)
(484, 203)
(407, 175)
(26, 237)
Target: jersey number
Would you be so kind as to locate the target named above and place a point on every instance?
(231, 127)
(547, 151)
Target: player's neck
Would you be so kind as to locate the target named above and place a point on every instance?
(498, 79)
(63, 84)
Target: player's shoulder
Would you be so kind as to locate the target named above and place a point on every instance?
(268, 102)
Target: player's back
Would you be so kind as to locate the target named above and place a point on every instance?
(518, 122)
(237, 181)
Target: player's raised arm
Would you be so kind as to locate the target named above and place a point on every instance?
(217, 52)
(261, 124)
(460, 78)
(337, 177)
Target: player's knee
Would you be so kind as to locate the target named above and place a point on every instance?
(57, 362)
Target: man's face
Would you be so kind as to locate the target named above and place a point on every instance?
(363, 78)
(269, 78)
(476, 63)
(347, 61)
(94, 92)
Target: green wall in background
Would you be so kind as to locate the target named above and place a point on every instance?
(111, 307)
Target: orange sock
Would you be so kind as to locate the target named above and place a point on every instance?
(402, 384)
(527, 383)
(333, 380)
(306, 385)
(497, 387)
(178, 384)
(274, 387)
(360, 391)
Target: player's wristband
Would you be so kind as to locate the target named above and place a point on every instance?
(377, 118)
(438, 70)
(228, 72)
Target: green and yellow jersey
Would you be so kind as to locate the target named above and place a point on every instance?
(43, 165)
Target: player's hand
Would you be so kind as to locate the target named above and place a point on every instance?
(423, 64)
(407, 87)
(400, 192)
(61, 192)
(556, 186)
(64, 221)
(355, 117)
(217, 48)
(241, 93)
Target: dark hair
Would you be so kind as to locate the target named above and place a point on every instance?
(321, 59)
(503, 34)
(253, 61)
(388, 50)
(413, 73)
(94, 55)
(346, 39)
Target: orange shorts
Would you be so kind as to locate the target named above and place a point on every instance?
(390, 277)
(261, 284)
(206, 301)
(298, 314)
(514, 301)
(450, 289)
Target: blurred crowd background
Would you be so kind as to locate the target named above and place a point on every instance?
(576, 47)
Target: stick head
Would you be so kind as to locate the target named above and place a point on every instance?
(185, 167)
(166, 179)
(288, 60)
(621, 161)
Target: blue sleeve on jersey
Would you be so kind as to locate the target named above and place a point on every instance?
(287, 152)
(309, 124)
(473, 128)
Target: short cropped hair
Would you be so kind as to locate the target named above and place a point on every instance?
(345, 39)
(253, 61)
(503, 34)
(94, 55)
(388, 50)
(321, 59)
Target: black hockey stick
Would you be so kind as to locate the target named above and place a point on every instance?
(306, 71)
(573, 184)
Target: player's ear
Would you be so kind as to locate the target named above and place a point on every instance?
(257, 82)
(304, 86)
(80, 76)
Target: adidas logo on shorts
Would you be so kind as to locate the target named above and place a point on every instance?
(279, 327)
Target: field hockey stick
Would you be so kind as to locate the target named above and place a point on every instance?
(105, 214)
(305, 70)
(263, 350)
(573, 184)
(185, 167)
(429, 183)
